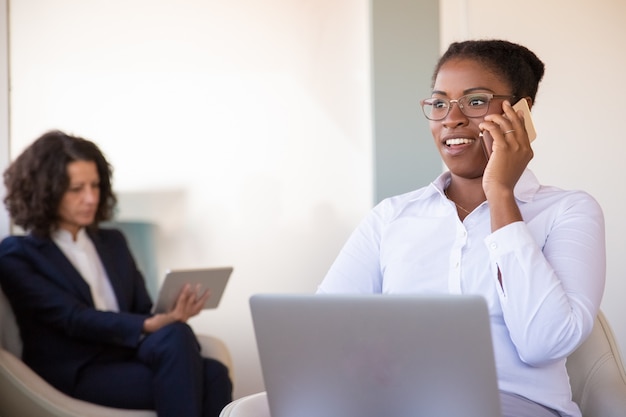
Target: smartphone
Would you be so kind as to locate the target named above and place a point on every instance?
(528, 120)
(528, 123)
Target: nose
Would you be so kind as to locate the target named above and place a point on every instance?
(92, 195)
(455, 117)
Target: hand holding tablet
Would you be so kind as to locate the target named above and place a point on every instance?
(212, 279)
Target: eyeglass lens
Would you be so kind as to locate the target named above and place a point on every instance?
(472, 105)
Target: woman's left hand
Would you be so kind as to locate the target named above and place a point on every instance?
(190, 302)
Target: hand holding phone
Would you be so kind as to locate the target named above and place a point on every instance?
(522, 105)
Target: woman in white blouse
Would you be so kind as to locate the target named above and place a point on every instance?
(487, 226)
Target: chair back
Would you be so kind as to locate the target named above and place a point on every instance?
(597, 374)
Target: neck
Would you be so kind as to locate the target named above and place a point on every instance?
(467, 193)
(73, 230)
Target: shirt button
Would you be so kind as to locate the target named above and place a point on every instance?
(493, 245)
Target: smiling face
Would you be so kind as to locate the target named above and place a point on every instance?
(80, 201)
(457, 136)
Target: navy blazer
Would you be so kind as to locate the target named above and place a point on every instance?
(60, 328)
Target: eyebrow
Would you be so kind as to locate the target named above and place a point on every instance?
(468, 91)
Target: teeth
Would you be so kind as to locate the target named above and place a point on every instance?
(459, 141)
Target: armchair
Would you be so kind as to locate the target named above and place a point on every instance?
(24, 393)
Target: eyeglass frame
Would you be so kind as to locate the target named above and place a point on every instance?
(456, 101)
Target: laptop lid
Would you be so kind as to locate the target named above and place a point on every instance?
(376, 355)
(214, 279)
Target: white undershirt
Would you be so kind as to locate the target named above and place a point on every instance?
(83, 255)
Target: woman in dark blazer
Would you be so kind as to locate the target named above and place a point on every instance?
(80, 302)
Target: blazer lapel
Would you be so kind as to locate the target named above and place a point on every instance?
(61, 269)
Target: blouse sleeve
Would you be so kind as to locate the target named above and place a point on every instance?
(552, 283)
(357, 267)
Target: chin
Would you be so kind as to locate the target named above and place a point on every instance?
(467, 173)
(86, 222)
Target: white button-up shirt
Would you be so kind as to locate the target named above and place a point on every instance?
(552, 266)
(84, 257)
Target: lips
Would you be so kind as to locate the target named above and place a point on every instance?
(88, 214)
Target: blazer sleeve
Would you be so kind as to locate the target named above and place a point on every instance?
(42, 286)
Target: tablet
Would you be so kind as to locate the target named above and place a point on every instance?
(214, 279)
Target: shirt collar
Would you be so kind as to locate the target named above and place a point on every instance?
(525, 189)
(64, 237)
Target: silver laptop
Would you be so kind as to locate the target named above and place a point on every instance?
(376, 355)
(213, 279)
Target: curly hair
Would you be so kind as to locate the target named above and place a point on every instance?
(37, 180)
(519, 66)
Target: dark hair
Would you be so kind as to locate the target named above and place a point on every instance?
(519, 66)
(37, 180)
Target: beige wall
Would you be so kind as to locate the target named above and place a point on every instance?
(581, 143)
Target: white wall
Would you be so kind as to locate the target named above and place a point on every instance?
(241, 127)
(581, 143)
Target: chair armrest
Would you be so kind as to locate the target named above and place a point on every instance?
(24, 393)
(605, 394)
(254, 405)
(597, 374)
(212, 347)
(605, 400)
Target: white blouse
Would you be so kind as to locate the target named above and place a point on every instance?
(552, 266)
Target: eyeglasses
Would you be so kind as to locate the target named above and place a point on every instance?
(472, 105)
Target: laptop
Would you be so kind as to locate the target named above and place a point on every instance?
(214, 279)
(376, 355)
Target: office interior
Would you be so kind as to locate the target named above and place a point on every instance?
(258, 134)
